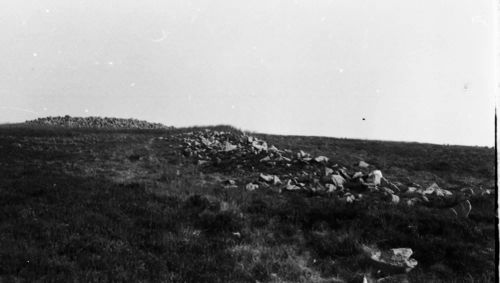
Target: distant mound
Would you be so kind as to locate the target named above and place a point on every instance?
(95, 122)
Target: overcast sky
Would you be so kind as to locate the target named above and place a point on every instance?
(413, 70)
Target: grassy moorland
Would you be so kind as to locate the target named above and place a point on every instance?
(123, 205)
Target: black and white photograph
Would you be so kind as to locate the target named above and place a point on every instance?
(322, 141)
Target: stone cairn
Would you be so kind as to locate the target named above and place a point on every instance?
(95, 122)
(300, 171)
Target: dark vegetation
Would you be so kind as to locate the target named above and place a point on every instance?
(110, 205)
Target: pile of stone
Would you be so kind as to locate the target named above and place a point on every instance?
(284, 170)
(95, 122)
(216, 147)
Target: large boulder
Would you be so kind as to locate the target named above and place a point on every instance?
(375, 177)
(391, 261)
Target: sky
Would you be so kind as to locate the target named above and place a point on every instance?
(398, 70)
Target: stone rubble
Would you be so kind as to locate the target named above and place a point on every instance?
(251, 187)
(284, 170)
(434, 189)
(363, 164)
(95, 122)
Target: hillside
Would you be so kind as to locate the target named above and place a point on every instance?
(219, 205)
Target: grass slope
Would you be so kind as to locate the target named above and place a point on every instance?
(95, 205)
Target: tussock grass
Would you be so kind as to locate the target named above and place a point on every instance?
(97, 205)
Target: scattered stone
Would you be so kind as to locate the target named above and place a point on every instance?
(229, 147)
(230, 151)
(337, 180)
(265, 159)
(273, 149)
(412, 190)
(202, 162)
(394, 199)
(349, 198)
(385, 182)
(328, 171)
(276, 180)
(434, 189)
(303, 156)
(291, 187)
(259, 145)
(363, 164)
(357, 175)
(251, 187)
(330, 188)
(282, 158)
(266, 178)
(413, 201)
(375, 177)
(321, 159)
(344, 174)
(206, 142)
